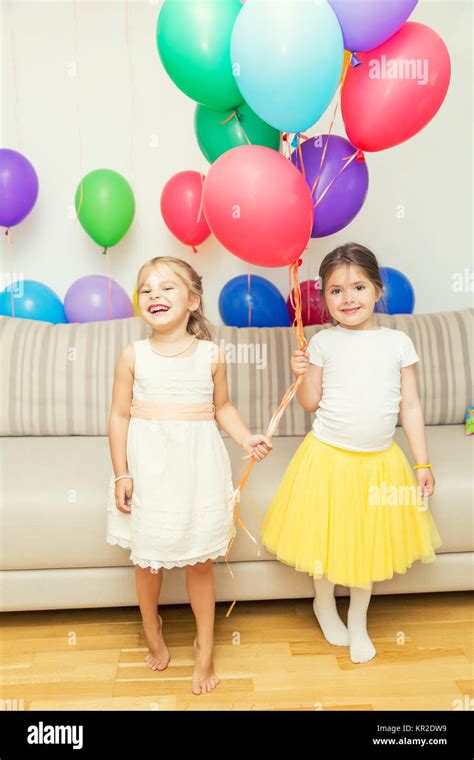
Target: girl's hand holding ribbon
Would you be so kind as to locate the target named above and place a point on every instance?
(299, 362)
(258, 446)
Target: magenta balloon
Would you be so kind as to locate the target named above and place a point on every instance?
(87, 300)
(313, 308)
(347, 194)
(18, 187)
(366, 24)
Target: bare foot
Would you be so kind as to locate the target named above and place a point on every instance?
(158, 657)
(204, 678)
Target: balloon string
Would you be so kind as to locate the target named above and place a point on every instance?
(15, 86)
(287, 397)
(300, 154)
(234, 114)
(351, 158)
(76, 97)
(307, 292)
(109, 273)
(130, 70)
(9, 236)
(202, 197)
(249, 318)
(323, 156)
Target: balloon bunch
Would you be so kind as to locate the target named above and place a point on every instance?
(261, 70)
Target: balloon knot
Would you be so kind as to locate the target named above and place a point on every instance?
(360, 155)
(284, 137)
(354, 60)
(300, 261)
(294, 142)
(195, 250)
(105, 250)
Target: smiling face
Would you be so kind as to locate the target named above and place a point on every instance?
(164, 299)
(351, 296)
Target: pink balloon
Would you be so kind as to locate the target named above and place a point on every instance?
(258, 206)
(180, 206)
(397, 89)
(313, 308)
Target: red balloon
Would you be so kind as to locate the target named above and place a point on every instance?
(313, 308)
(397, 89)
(180, 205)
(258, 206)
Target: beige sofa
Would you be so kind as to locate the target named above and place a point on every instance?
(55, 462)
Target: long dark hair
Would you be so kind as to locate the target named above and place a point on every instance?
(359, 255)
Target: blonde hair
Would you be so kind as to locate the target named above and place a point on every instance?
(198, 324)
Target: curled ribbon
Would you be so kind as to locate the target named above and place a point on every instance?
(273, 424)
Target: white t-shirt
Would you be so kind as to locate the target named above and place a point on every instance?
(361, 385)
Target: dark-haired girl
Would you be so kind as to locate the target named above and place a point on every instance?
(350, 509)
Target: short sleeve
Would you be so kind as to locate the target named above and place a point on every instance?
(315, 351)
(408, 353)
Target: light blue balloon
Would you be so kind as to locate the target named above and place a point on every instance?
(32, 300)
(287, 59)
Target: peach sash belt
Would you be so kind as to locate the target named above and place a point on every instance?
(151, 410)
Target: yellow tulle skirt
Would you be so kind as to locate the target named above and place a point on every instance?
(352, 517)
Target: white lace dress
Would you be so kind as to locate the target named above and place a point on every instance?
(182, 506)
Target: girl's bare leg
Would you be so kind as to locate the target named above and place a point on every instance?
(148, 589)
(201, 590)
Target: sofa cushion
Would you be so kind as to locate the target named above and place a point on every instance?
(57, 379)
(54, 493)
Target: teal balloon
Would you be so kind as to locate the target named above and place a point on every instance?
(32, 300)
(287, 60)
(193, 40)
(217, 132)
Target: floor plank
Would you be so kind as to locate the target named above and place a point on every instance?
(269, 655)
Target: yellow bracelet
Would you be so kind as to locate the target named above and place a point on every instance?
(420, 466)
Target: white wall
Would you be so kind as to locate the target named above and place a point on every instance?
(48, 114)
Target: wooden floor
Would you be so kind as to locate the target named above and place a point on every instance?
(269, 655)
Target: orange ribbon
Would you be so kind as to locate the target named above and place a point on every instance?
(273, 424)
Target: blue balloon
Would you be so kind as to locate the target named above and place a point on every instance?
(399, 293)
(267, 305)
(287, 60)
(32, 300)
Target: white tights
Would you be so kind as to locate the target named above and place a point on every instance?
(355, 635)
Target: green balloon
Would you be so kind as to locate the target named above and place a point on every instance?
(215, 138)
(107, 207)
(193, 40)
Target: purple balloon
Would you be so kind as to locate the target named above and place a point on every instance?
(366, 24)
(87, 300)
(347, 194)
(18, 187)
